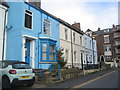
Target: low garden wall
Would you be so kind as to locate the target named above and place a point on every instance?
(49, 78)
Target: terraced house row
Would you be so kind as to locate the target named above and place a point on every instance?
(30, 34)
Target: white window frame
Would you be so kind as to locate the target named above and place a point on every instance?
(66, 34)
(46, 21)
(32, 19)
(107, 48)
(80, 40)
(107, 37)
(66, 55)
(106, 30)
(74, 37)
(75, 56)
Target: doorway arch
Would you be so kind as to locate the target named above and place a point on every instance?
(102, 58)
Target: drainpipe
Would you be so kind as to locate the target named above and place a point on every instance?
(38, 39)
(71, 49)
(93, 52)
(3, 49)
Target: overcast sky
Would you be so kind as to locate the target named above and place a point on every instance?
(92, 14)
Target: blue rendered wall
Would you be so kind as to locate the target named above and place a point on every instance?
(16, 17)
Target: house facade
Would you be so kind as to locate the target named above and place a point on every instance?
(117, 43)
(105, 42)
(33, 36)
(108, 44)
(90, 50)
(3, 22)
(71, 43)
(79, 49)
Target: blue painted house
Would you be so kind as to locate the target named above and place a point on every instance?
(32, 35)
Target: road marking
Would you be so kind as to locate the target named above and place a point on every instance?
(78, 86)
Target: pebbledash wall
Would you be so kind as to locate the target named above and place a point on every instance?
(35, 42)
(3, 21)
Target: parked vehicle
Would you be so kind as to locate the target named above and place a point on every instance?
(16, 73)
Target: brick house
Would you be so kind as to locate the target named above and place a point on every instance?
(108, 43)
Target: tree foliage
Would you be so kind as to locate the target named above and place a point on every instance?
(60, 58)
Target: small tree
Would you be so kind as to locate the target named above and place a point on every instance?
(60, 58)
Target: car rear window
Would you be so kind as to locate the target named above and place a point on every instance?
(21, 66)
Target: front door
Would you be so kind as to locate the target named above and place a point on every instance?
(27, 51)
(82, 60)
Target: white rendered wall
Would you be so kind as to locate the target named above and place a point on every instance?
(2, 17)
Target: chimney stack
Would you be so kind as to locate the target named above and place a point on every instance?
(76, 25)
(36, 3)
(98, 29)
(113, 26)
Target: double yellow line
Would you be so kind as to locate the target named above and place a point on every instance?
(78, 86)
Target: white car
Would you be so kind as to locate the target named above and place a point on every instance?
(16, 73)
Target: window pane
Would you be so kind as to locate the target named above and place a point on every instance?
(106, 39)
(74, 37)
(75, 56)
(44, 51)
(51, 52)
(44, 47)
(44, 56)
(46, 27)
(80, 40)
(51, 48)
(66, 34)
(28, 20)
(51, 56)
(107, 47)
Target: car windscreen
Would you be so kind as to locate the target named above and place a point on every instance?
(21, 66)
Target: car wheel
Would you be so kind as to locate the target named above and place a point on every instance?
(6, 82)
(31, 83)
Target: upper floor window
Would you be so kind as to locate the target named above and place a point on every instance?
(85, 42)
(46, 27)
(28, 19)
(116, 34)
(80, 40)
(106, 30)
(74, 56)
(107, 47)
(66, 34)
(90, 43)
(106, 38)
(73, 37)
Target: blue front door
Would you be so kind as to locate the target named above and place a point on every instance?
(27, 52)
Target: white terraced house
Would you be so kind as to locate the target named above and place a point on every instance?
(79, 49)
(3, 22)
